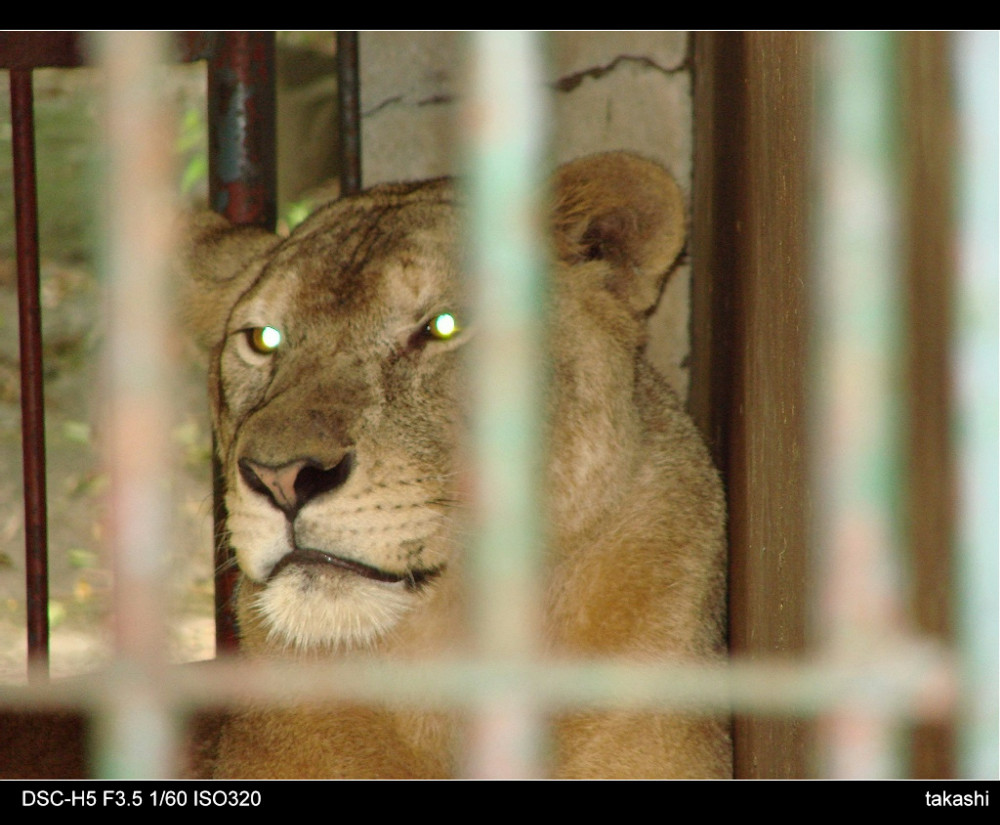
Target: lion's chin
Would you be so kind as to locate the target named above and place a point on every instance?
(308, 606)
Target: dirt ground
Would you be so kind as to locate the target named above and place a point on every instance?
(67, 147)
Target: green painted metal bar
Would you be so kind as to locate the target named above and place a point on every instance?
(917, 681)
(506, 139)
(977, 378)
(858, 382)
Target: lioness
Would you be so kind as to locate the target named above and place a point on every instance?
(337, 399)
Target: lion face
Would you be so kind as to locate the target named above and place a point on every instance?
(338, 401)
(339, 404)
(337, 413)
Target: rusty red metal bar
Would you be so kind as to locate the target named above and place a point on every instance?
(243, 187)
(32, 400)
(21, 52)
(241, 131)
(29, 50)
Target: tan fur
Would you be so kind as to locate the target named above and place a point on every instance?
(636, 559)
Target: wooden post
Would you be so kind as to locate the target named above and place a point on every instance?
(748, 327)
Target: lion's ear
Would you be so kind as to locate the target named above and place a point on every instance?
(216, 262)
(624, 210)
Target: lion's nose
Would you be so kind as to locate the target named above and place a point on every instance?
(292, 485)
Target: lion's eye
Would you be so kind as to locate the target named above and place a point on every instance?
(263, 340)
(443, 327)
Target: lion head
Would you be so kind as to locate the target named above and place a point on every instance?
(338, 402)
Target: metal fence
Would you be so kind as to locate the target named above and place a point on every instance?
(870, 674)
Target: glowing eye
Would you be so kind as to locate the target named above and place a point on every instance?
(264, 340)
(443, 326)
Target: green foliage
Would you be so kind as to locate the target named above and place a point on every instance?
(82, 558)
(192, 149)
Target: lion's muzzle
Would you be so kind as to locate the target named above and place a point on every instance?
(292, 485)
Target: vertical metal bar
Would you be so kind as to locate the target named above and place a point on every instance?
(242, 139)
(241, 131)
(507, 139)
(977, 375)
(855, 432)
(135, 721)
(349, 99)
(226, 574)
(32, 400)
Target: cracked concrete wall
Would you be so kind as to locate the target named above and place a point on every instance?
(609, 90)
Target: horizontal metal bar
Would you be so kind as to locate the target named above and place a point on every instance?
(32, 50)
(910, 679)
(68, 49)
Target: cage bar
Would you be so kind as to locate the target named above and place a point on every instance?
(32, 397)
(243, 186)
(858, 380)
(135, 719)
(349, 101)
(506, 135)
(34, 49)
(903, 678)
(977, 378)
(241, 133)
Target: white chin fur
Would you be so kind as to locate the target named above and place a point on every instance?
(305, 610)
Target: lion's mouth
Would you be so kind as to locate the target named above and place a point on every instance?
(412, 579)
